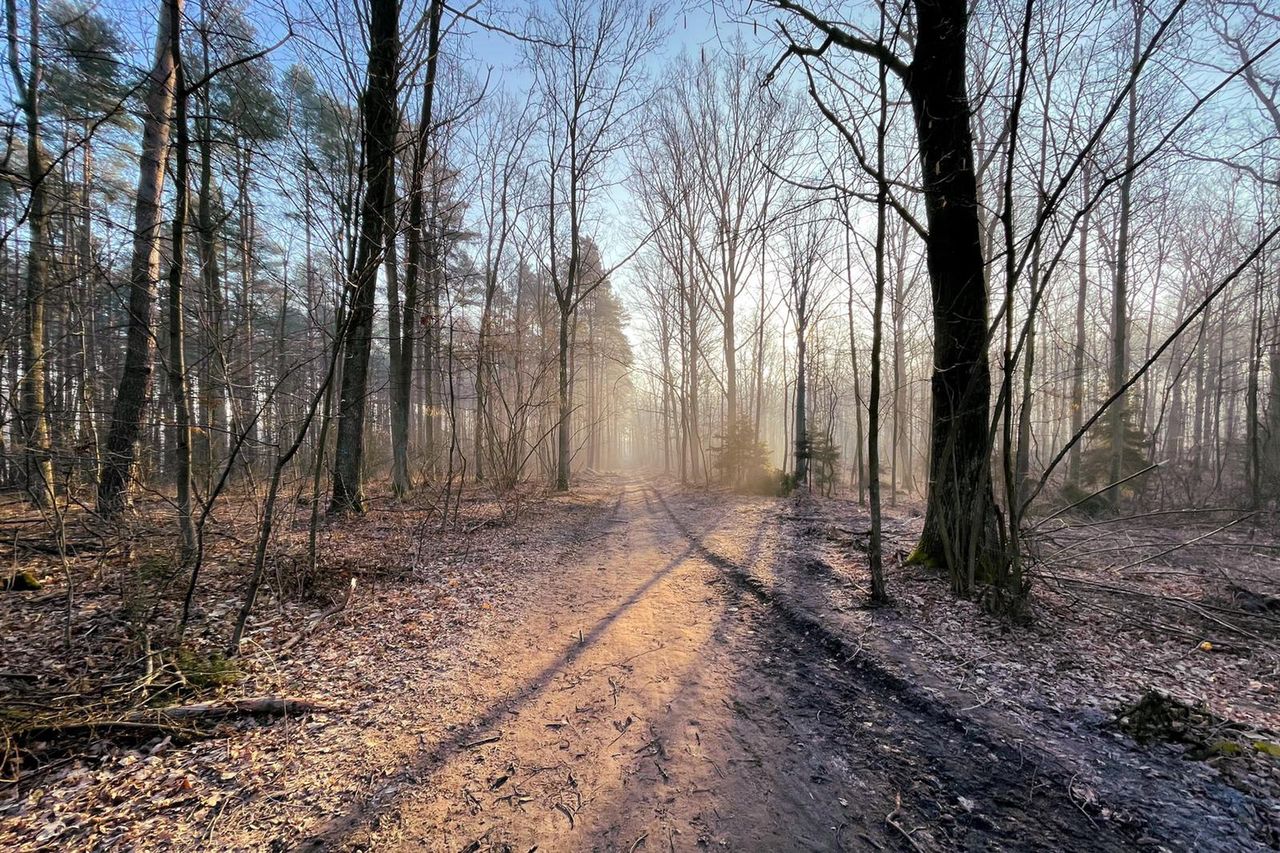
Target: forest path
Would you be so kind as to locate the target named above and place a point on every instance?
(656, 699)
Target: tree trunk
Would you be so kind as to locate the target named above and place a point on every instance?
(144, 270)
(859, 473)
(875, 550)
(562, 427)
(1077, 356)
(402, 374)
(690, 291)
(482, 365)
(378, 140)
(959, 529)
(730, 357)
(177, 365)
(1120, 293)
(1271, 464)
(801, 420)
(899, 411)
(244, 399)
(1253, 437)
(33, 416)
(214, 389)
(400, 484)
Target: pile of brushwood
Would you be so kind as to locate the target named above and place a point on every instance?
(1235, 749)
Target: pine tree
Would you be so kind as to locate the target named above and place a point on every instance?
(1098, 466)
(824, 463)
(740, 459)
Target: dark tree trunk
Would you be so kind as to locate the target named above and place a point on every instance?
(177, 365)
(1078, 353)
(244, 398)
(959, 529)
(379, 110)
(562, 428)
(402, 372)
(1271, 443)
(1119, 413)
(801, 401)
(875, 547)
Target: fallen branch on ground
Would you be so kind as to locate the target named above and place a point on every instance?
(484, 740)
(271, 705)
(892, 820)
(315, 623)
(165, 719)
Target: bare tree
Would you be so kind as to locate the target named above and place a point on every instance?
(144, 272)
(960, 530)
(404, 331)
(805, 246)
(34, 419)
(177, 361)
(588, 61)
(378, 139)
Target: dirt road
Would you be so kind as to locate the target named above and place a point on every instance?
(637, 667)
(654, 699)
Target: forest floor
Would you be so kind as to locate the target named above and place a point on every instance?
(637, 666)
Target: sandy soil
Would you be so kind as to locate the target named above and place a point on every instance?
(655, 671)
(663, 697)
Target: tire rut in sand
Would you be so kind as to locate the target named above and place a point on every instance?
(963, 786)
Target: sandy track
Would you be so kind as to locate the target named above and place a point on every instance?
(636, 667)
(651, 701)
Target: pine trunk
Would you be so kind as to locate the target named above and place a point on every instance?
(144, 271)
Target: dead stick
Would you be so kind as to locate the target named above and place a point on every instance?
(315, 623)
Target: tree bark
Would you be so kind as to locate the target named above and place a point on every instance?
(244, 399)
(33, 416)
(214, 389)
(177, 365)
(1078, 354)
(875, 548)
(1271, 462)
(378, 139)
(562, 427)
(959, 529)
(1120, 294)
(402, 373)
(801, 401)
(144, 271)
